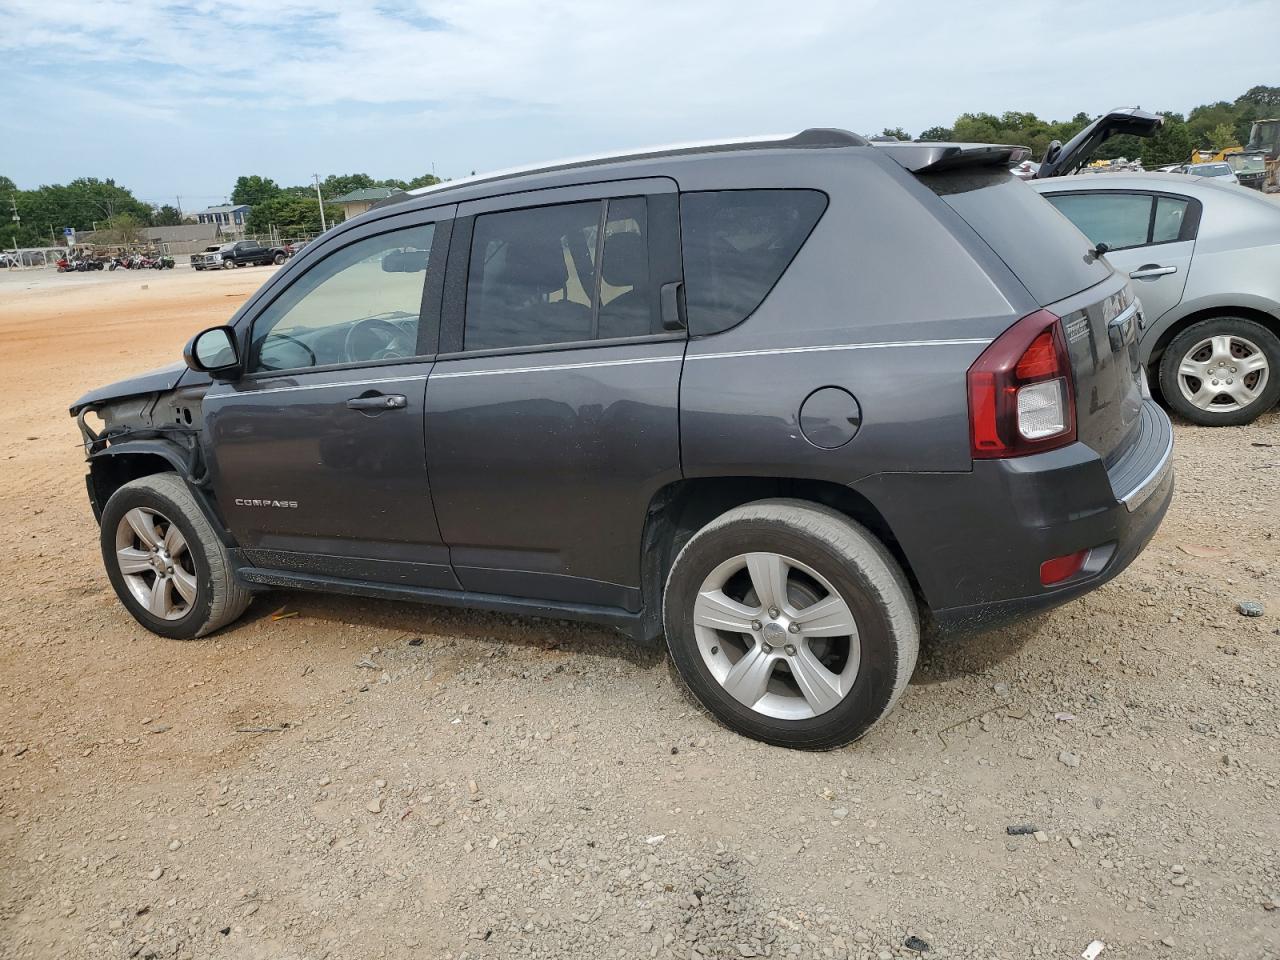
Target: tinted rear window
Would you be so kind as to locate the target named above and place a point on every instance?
(1041, 246)
(736, 244)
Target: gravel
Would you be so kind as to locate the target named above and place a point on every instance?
(521, 788)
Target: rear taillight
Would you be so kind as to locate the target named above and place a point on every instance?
(1062, 568)
(1021, 397)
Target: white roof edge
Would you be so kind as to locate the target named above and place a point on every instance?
(598, 157)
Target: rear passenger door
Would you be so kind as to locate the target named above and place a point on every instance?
(552, 409)
(1150, 237)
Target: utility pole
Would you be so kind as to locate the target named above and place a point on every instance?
(17, 221)
(320, 200)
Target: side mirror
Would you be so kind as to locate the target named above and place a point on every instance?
(214, 351)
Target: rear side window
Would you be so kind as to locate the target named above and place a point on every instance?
(1117, 219)
(1044, 250)
(547, 275)
(736, 245)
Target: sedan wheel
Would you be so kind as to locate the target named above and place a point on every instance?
(155, 563)
(1223, 373)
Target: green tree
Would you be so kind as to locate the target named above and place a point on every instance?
(166, 216)
(7, 186)
(1222, 136)
(896, 132)
(426, 180)
(1125, 145)
(122, 229)
(1173, 144)
(1266, 97)
(291, 214)
(338, 184)
(46, 210)
(253, 190)
(938, 133)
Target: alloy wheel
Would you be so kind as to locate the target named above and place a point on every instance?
(777, 636)
(1223, 373)
(155, 563)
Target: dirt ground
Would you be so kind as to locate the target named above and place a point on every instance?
(434, 783)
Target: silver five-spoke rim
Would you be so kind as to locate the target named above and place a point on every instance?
(1223, 373)
(777, 636)
(155, 563)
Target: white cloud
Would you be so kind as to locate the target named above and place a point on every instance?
(570, 76)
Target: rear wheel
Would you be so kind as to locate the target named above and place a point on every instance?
(1224, 371)
(164, 560)
(791, 623)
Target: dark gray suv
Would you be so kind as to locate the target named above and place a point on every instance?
(779, 400)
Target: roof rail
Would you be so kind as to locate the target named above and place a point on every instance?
(812, 138)
(930, 157)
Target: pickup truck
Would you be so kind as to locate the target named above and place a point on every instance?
(238, 254)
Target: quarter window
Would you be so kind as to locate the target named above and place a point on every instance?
(357, 305)
(534, 277)
(736, 244)
(1170, 215)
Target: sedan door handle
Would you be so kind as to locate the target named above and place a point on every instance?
(393, 401)
(1149, 271)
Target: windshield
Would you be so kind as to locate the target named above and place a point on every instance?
(1247, 163)
(1210, 169)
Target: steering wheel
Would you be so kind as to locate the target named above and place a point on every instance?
(384, 330)
(263, 365)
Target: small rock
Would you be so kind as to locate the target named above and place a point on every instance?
(916, 944)
(1021, 829)
(1069, 759)
(1041, 836)
(374, 805)
(1167, 941)
(1075, 842)
(840, 812)
(156, 874)
(1177, 868)
(175, 844)
(1001, 690)
(1181, 881)
(1250, 608)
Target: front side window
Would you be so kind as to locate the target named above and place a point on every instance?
(535, 276)
(737, 244)
(1117, 219)
(357, 305)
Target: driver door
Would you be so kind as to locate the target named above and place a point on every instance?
(317, 454)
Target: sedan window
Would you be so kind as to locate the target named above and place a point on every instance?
(1117, 219)
(1171, 213)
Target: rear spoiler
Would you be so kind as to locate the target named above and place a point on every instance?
(929, 157)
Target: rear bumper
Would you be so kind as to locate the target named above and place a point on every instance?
(975, 541)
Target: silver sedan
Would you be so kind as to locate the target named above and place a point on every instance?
(1205, 260)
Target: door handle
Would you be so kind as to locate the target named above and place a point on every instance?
(1149, 271)
(393, 401)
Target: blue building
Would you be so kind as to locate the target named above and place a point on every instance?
(229, 217)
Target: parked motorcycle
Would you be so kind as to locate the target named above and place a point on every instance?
(163, 263)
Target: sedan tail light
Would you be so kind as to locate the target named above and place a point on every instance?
(1021, 395)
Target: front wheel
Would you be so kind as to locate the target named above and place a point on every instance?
(164, 560)
(278, 259)
(228, 264)
(1222, 372)
(791, 623)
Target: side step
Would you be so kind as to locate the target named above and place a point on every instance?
(632, 624)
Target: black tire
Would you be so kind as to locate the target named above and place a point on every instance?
(219, 598)
(1265, 340)
(278, 259)
(228, 264)
(860, 569)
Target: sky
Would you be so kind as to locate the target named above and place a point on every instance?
(177, 99)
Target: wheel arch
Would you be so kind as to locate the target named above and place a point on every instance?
(1165, 337)
(680, 509)
(111, 468)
